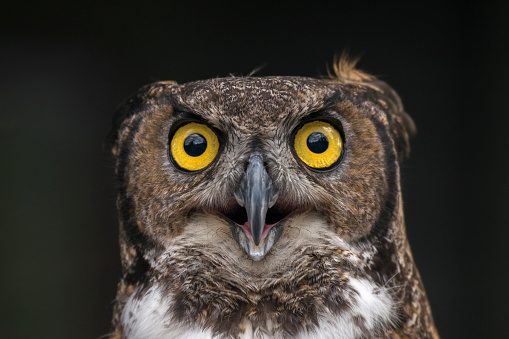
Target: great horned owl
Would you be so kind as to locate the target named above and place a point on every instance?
(265, 207)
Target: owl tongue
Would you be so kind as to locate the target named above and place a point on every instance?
(247, 230)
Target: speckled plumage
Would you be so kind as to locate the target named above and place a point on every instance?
(342, 267)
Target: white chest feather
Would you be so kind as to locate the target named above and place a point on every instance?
(371, 311)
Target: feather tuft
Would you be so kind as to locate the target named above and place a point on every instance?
(344, 70)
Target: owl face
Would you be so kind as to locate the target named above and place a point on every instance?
(253, 153)
(262, 204)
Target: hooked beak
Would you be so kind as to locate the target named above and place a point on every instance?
(257, 194)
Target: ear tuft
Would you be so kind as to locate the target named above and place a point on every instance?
(345, 71)
(401, 125)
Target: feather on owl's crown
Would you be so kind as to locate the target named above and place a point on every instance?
(344, 72)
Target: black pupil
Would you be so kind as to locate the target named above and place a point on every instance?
(317, 142)
(195, 144)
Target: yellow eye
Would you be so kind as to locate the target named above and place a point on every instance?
(318, 144)
(194, 146)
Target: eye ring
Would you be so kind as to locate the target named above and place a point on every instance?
(318, 144)
(194, 146)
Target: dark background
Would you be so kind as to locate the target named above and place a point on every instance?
(65, 66)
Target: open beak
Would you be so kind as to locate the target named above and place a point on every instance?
(256, 213)
(256, 194)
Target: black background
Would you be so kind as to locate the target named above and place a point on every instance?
(65, 66)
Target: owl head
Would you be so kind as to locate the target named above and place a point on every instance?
(235, 191)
